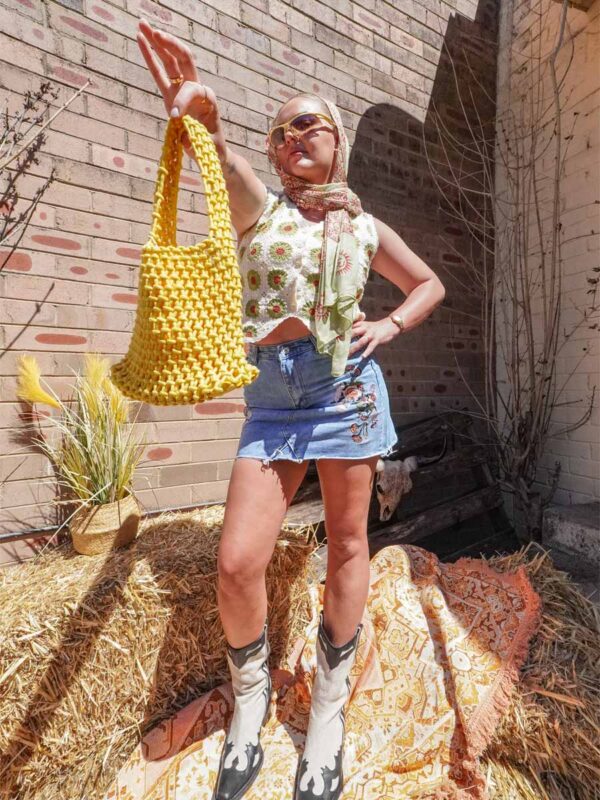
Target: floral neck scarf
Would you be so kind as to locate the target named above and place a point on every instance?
(337, 304)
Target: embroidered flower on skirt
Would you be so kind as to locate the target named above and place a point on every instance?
(356, 393)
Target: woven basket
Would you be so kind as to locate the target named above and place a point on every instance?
(187, 343)
(100, 529)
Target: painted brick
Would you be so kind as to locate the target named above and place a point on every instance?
(298, 60)
(374, 59)
(164, 18)
(232, 29)
(21, 55)
(578, 481)
(372, 21)
(146, 102)
(83, 28)
(304, 43)
(264, 23)
(253, 77)
(32, 287)
(121, 116)
(334, 77)
(407, 58)
(169, 497)
(335, 40)
(29, 9)
(23, 30)
(217, 451)
(117, 68)
(292, 18)
(20, 82)
(205, 492)
(22, 312)
(90, 130)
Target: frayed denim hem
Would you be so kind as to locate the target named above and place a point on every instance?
(275, 457)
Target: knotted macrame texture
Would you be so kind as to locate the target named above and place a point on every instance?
(187, 343)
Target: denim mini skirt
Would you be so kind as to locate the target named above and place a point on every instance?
(297, 410)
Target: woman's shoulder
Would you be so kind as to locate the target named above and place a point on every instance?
(273, 200)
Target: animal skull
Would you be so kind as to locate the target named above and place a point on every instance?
(392, 482)
(393, 479)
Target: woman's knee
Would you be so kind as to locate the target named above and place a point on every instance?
(347, 544)
(237, 570)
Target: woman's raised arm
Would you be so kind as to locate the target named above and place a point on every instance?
(247, 193)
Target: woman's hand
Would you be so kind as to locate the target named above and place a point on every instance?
(188, 97)
(372, 334)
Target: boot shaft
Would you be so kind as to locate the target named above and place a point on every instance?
(248, 664)
(334, 664)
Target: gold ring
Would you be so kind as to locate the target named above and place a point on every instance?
(177, 81)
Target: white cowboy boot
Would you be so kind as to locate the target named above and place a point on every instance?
(242, 754)
(319, 775)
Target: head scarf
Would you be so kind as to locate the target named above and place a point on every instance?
(337, 304)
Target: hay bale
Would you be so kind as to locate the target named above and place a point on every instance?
(96, 650)
(553, 723)
(506, 781)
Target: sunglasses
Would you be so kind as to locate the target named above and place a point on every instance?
(300, 124)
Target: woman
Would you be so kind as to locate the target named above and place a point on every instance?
(304, 257)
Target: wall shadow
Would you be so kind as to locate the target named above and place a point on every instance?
(389, 171)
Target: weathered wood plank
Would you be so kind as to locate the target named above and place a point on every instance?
(307, 512)
(435, 519)
(419, 434)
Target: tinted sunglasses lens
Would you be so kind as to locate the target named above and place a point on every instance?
(301, 124)
(277, 136)
(305, 121)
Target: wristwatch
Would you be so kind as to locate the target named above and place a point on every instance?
(398, 320)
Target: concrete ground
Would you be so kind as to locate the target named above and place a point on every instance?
(572, 535)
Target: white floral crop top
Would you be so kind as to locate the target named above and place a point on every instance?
(279, 264)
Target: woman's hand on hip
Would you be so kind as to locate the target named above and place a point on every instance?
(187, 97)
(371, 334)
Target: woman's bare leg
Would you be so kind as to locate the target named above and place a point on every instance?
(346, 486)
(258, 498)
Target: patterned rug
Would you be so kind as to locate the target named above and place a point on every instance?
(437, 661)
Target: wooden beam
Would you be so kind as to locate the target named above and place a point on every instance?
(307, 512)
(436, 519)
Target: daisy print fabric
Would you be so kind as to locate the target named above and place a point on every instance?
(279, 265)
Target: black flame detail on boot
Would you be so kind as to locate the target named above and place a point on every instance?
(242, 754)
(319, 775)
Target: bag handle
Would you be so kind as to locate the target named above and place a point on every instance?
(164, 214)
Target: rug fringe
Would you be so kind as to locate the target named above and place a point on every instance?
(483, 724)
(450, 791)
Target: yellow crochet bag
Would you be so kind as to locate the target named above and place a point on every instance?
(187, 342)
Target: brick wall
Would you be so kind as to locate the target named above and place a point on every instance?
(72, 286)
(578, 361)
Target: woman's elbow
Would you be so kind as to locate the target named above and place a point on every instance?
(442, 291)
(439, 292)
